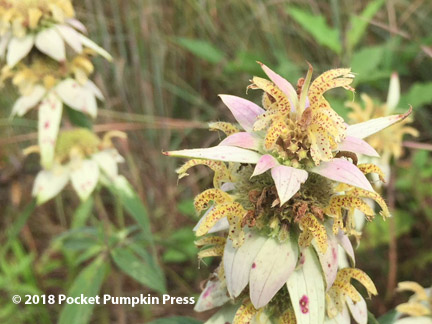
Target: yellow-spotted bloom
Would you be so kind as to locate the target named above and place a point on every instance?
(418, 310)
(81, 158)
(286, 185)
(45, 24)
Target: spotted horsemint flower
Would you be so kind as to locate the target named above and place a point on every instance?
(47, 85)
(45, 24)
(286, 186)
(81, 158)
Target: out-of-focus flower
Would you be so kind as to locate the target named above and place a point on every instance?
(48, 85)
(81, 158)
(45, 24)
(419, 307)
(387, 143)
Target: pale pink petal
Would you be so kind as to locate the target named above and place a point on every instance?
(272, 267)
(71, 37)
(343, 171)
(345, 243)
(288, 181)
(25, 103)
(357, 145)
(85, 178)
(78, 25)
(77, 96)
(306, 290)
(50, 112)
(238, 262)
(242, 139)
(244, 111)
(266, 162)
(329, 259)
(358, 310)
(49, 183)
(365, 129)
(49, 42)
(282, 84)
(219, 153)
(213, 295)
(394, 92)
(18, 48)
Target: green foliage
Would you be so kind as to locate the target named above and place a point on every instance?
(176, 320)
(360, 23)
(365, 63)
(180, 246)
(77, 118)
(318, 28)
(417, 96)
(388, 318)
(87, 283)
(142, 268)
(202, 49)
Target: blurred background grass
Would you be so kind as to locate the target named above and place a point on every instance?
(172, 58)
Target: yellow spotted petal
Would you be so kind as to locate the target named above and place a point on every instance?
(329, 80)
(283, 104)
(318, 231)
(211, 240)
(346, 274)
(373, 195)
(219, 168)
(218, 212)
(227, 128)
(213, 251)
(245, 313)
(277, 129)
(367, 168)
(202, 200)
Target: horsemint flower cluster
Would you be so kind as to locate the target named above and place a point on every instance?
(285, 189)
(47, 57)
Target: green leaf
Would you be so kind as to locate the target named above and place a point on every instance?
(180, 246)
(132, 204)
(359, 23)
(201, 48)
(87, 283)
(82, 213)
(186, 207)
(417, 96)
(388, 318)
(18, 224)
(371, 319)
(176, 320)
(78, 118)
(146, 271)
(318, 28)
(366, 61)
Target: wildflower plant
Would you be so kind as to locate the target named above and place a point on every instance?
(286, 184)
(46, 56)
